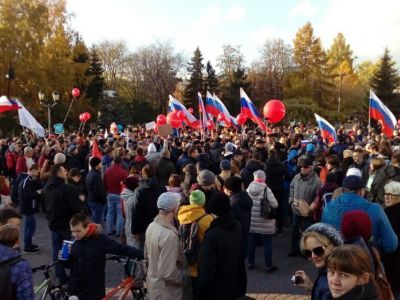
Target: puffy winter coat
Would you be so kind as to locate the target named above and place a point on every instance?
(128, 200)
(258, 223)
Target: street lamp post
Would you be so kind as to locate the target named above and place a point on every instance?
(49, 104)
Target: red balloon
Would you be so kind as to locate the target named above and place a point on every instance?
(81, 118)
(161, 120)
(210, 124)
(172, 119)
(191, 110)
(76, 92)
(86, 116)
(398, 122)
(241, 118)
(274, 111)
(181, 115)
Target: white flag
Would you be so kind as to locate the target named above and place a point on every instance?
(28, 121)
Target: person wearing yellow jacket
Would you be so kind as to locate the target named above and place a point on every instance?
(187, 214)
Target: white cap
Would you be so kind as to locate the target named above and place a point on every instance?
(168, 201)
(353, 171)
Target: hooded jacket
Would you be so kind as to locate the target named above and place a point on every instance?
(62, 202)
(259, 224)
(144, 207)
(188, 214)
(382, 231)
(219, 258)
(87, 263)
(128, 200)
(246, 173)
(21, 274)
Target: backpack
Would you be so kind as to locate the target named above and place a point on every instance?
(266, 211)
(188, 236)
(7, 290)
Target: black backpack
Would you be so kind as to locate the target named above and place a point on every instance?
(188, 236)
(7, 290)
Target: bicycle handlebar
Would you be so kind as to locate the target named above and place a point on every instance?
(44, 267)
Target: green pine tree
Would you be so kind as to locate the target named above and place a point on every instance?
(211, 82)
(386, 81)
(95, 89)
(196, 81)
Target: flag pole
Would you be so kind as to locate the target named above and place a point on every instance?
(369, 114)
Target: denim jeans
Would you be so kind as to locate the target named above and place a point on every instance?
(96, 210)
(114, 210)
(251, 249)
(57, 238)
(299, 224)
(29, 230)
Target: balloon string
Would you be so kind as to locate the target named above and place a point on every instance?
(69, 109)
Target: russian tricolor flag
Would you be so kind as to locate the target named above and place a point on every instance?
(8, 104)
(202, 110)
(174, 104)
(328, 132)
(249, 110)
(379, 112)
(214, 107)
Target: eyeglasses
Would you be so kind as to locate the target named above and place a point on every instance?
(389, 194)
(304, 167)
(318, 251)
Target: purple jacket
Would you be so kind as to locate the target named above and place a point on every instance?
(21, 274)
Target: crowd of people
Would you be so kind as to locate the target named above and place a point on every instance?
(196, 206)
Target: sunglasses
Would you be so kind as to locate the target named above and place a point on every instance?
(318, 251)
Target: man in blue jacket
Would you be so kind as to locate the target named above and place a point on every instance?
(352, 199)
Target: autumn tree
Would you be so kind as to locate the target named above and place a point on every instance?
(232, 75)
(196, 80)
(268, 73)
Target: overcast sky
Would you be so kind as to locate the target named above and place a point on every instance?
(369, 26)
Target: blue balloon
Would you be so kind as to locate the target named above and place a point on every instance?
(120, 127)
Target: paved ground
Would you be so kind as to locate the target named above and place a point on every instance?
(259, 282)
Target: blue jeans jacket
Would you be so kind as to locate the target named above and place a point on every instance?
(382, 231)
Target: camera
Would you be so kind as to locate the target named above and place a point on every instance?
(297, 279)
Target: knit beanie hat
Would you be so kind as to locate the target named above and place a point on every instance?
(205, 178)
(197, 197)
(168, 201)
(94, 161)
(356, 223)
(327, 230)
(219, 204)
(225, 165)
(352, 183)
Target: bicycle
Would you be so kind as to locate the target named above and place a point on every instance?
(135, 272)
(51, 290)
